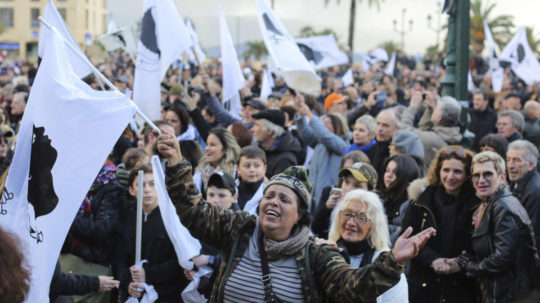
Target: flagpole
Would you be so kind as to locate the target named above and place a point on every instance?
(101, 76)
(196, 57)
(138, 231)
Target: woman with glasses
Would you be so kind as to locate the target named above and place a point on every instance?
(502, 257)
(359, 227)
(446, 204)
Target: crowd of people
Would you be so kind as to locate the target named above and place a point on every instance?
(379, 191)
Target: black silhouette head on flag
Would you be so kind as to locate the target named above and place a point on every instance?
(148, 32)
(270, 25)
(519, 53)
(41, 193)
(310, 53)
(120, 38)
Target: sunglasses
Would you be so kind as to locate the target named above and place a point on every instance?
(488, 176)
(459, 151)
(358, 218)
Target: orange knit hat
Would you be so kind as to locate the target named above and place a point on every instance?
(331, 99)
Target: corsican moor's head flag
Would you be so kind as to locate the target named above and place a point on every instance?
(233, 79)
(122, 38)
(494, 68)
(291, 63)
(322, 51)
(164, 37)
(66, 133)
(53, 17)
(523, 60)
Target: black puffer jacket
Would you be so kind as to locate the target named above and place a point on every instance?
(92, 238)
(482, 123)
(283, 155)
(67, 284)
(504, 250)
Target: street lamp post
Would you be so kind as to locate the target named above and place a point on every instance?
(403, 31)
(437, 29)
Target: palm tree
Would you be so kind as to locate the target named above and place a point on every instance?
(534, 40)
(352, 16)
(307, 31)
(500, 26)
(257, 49)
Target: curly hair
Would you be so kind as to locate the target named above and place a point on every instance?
(15, 277)
(449, 152)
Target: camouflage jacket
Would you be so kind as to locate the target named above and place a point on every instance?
(326, 277)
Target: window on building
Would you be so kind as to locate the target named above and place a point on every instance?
(63, 13)
(36, 0)
(34, 15)
(86, 19)
(6, 16)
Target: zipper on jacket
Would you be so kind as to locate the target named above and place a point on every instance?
(424, 219)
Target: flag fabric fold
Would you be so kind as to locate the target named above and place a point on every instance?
(157, 49)
(523, 61)
(122, 38)
(233, 79)
(53, 17)
(291, 63)
(66, 133)
(391, 66)
(494, 68)
(322, 51)
(198, 50)
(267, 84)
(348, 78)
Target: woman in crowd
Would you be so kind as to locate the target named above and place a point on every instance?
(276, 245)
(502, 257)
(328, 137)
(221, 154)
(495, 143)
(359, 227)
(399, 171)
(363, 134)
(446, 203)
(178, 117)
(359, 175)
(14, 273)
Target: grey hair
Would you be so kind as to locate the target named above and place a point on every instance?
(524, 145)
(450, 111)
(369, 122)
(397, 118)
(517, 118)
(276, 130)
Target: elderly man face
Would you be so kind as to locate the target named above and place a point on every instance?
(259, 134)
(386, 126)
(505, 127)
(517, 164)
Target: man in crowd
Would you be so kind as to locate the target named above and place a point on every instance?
(483, 117)
(509, 125)
(521, 160)
(388, 123)
(280, 146)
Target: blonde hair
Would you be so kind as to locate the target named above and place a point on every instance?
(378, 236)
(487, 156)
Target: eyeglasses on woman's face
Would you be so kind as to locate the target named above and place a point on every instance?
(358, 218)
(488, 176)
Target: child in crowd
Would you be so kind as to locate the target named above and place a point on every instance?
(251, 170)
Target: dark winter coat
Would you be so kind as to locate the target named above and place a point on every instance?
(451, 239)
(482, 123)
(282, 155)
(67, 284)
(527, 190)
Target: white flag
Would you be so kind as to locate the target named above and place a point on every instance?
(322, 51)
(523, 60)
(185, 246)
(120, 39)
(66, 133)
(470, 83)
(267, 84)
(111, 27)
(292, 65)
(233, 79)
(164, 37)
(53, 17)
(377, 55)
(198, 50)
(494, 68)
(348, 78)
(391, 65)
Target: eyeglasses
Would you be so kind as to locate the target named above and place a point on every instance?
(358, 218)
(488, 176)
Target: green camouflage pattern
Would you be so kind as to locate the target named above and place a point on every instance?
(295, 178)
(325, 278)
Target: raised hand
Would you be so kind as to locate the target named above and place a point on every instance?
(168, 146)
(407, 247)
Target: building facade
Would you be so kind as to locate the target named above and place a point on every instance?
(19, 24)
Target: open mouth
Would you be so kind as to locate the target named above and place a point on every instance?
(272, 213)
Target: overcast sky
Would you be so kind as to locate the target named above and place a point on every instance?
(372, 26)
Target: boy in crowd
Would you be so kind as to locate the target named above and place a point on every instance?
(222, 191)
(251, 176)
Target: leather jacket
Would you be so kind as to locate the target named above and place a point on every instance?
(504, 250)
